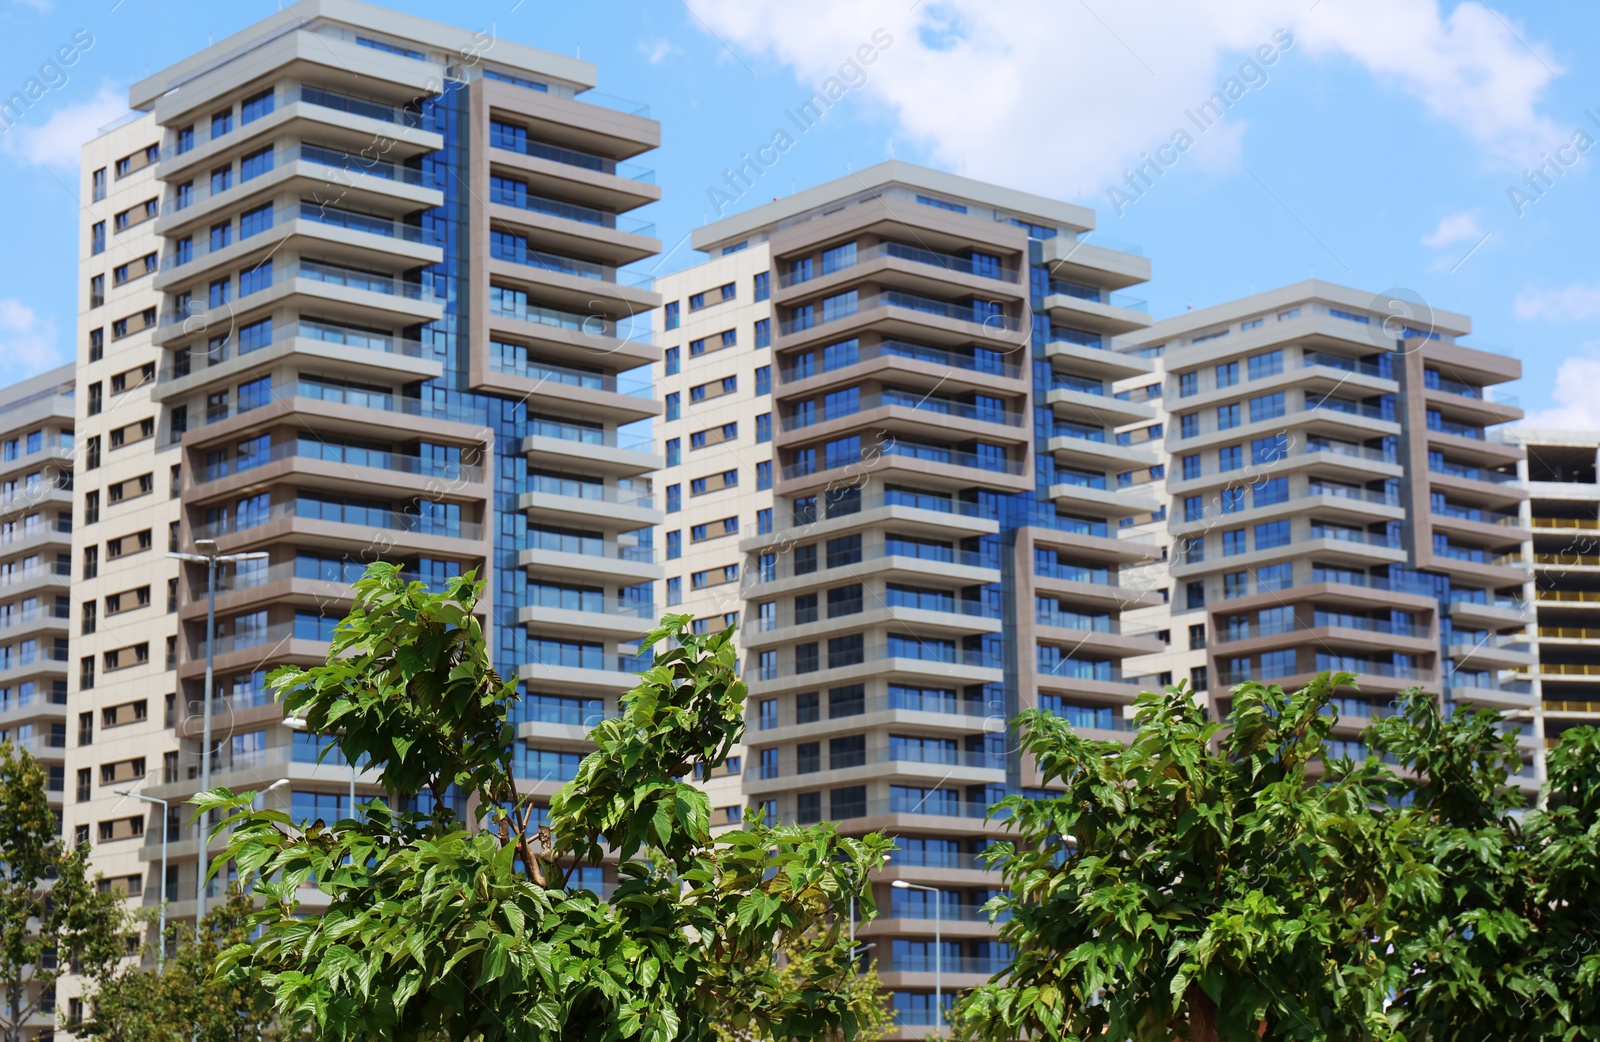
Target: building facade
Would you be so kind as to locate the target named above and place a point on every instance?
(1564, 513)
(1338, 502)
(355, 286)
(37, 424)
(353, 289)
(907, 378)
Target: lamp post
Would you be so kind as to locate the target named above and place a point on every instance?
(208, 556)
(161, 943)
(938, 949)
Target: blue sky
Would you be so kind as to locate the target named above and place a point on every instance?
(1378, 148)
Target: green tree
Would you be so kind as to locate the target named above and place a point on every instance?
(1235, 882)
(863, 993)
(1508, 947)
(1194, 884)
(184, 1002)
(53, 918)
(437, 929)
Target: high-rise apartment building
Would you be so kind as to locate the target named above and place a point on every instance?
(1337, 503)
(352, 290)
(36, 474)
(1564, 511)
(891, 449)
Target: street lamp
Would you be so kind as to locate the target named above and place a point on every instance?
(938, 949)
(208, 556)
(161, 943)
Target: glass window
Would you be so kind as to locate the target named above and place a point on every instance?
(256, 106)
(1268, 364)
(1266, 407)
(764, 380)
(763, 285)
(255, 164)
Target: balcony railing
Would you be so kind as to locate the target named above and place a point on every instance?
(1095, 294)
(1457, 470)
(588, 547)
(912, 650)
(25, 616)
(572, 489)
(1348, 365)
(902, 400)
(353, 105)
(350, 455)
(636, 383)
(506, 196)
(911, 302)
(912, 450)
(544, 428)
(573, 157)
(980, 360)
(947, 261)
(390, 520)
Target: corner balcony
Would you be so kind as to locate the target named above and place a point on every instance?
(1087, 401)
(603, 451)
(594, 614)
(571, 228)
(579, 393)
(583, 177)
(309, 462)
(897, 315)
(1095, 309)
(567, 502)
(933, 617)
(357, 531)
(917, 660)
(353, 295)
(579, 559)
(334, 349)
(1096, 635)
(338, 175)
(979, 367)
(563, 337)
(43, 705)
(1082, 492)
(569, 282)
(584, 669)
(914, 416)
(1094, 259)
(332, 233)
(890, 459)
(913, 513)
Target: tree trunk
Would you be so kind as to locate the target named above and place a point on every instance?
(1202, 1015)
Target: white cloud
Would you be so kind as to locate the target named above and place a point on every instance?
(58, 139)
(1573, 304)
(1577, 406)
(38, 5)
(657, 51)
(29, 344)
(1461, 227)
(1062, 97)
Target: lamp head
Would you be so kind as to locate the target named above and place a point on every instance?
(208, 547)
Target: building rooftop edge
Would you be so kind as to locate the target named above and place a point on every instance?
(61, 374)
(1294, 292)
(357, 14)
(760, 218)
